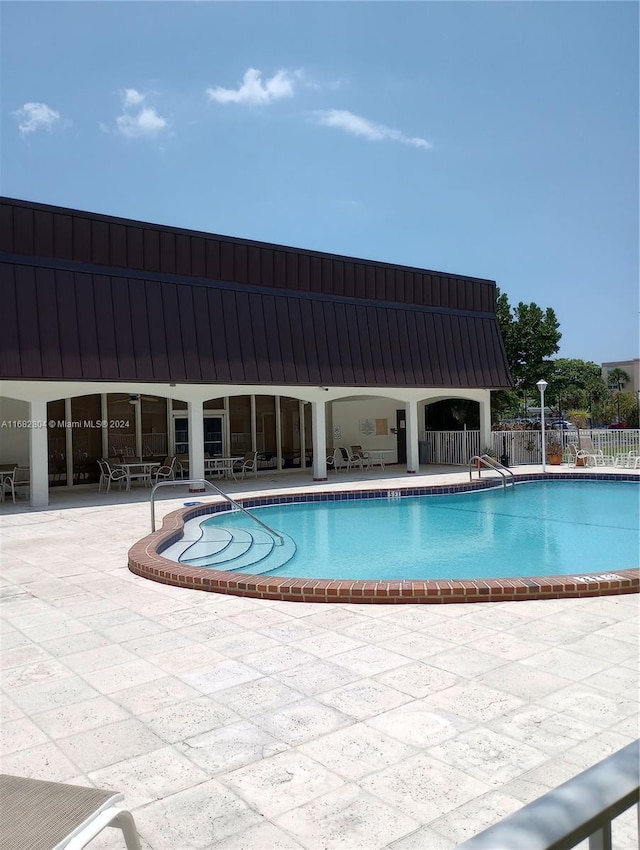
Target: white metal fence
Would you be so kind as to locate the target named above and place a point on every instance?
(125, 444)
(521, 447)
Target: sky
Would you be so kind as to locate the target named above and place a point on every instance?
(492, 139)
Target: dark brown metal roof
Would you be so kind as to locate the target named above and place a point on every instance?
(88, 297)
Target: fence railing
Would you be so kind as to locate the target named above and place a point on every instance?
(583, 807)
(452, 446)
(125, 444)
(521, 447)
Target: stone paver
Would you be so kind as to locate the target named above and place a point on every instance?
(262, 725)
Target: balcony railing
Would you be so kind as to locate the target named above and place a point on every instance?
(583, 807)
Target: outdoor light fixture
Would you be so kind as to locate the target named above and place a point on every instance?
(542, 385)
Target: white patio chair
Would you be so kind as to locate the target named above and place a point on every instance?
(18, 479)
(350, 459)
(249, 464)
(577, 457)
(39, 815)
(334, 461)
(109, 475)
(167, 471)
(595, 457)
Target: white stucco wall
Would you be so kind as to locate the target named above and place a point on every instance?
(14, 440)
(346, 419)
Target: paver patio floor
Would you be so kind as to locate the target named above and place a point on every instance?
(260, 725)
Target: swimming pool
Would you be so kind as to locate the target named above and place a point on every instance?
(604, 564)
(540, 528)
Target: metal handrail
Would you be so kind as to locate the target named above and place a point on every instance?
(490, 463)
(278, 538)
(583, 807)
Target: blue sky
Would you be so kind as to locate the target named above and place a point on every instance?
(494, 139)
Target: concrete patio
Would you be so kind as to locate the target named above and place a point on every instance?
(246, 724)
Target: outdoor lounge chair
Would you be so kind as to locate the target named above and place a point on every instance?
(595, 457)
(577, 457)
(38, 815)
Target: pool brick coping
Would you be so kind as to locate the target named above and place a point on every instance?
(145, 559)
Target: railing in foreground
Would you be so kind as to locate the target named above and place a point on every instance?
(581, 808)
(278, 538)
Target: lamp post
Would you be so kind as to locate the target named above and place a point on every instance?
(542, 385)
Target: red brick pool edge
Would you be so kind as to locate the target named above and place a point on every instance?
(145, 559)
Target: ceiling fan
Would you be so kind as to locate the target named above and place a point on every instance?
(134, 398)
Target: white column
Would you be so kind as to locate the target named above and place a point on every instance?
(171, 432)
(195, 412)
(485, 421)
(413, 458)
(137, 412)
(68, 441)
(278, 433)
(226, 435)
(104, 415)
(319, 425)
(303, 436)
(38, 455)
(254, 426)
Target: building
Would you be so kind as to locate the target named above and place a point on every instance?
(120, 336)
(631, 367)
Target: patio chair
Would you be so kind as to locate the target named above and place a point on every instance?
(19, 479)
(167, 471)
(39, 815)
(334, 461)
(109, 475)
(595, 457)
(182, 465)
(577, 456)
(350, 459)
(627, 460)
(249, 464)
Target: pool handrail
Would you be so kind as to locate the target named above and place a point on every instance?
(277, 537)
(583, 807)
(490, 463)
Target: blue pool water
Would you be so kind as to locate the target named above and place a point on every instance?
(539, 528)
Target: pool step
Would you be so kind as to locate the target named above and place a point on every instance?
(234, 549)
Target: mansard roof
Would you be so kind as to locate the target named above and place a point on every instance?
(92, 297)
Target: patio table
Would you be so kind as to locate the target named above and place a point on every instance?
(141, 470)
(223, 466)
(373, 456)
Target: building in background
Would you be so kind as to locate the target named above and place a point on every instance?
(126, 338)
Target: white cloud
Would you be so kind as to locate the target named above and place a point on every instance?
(145, 123)
(138, 121)
(253, 90)
(36, 116)
(358, 126)
(132, 97)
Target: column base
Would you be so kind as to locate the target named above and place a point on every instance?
(412, 471)
(197, 490)
(320, 479)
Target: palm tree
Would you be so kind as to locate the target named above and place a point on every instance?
(617, 378)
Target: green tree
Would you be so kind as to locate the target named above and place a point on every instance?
(575, 384)
(531, 336)
(616, 379)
